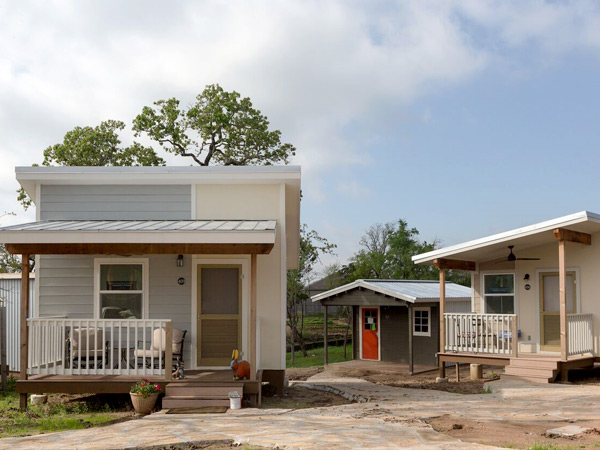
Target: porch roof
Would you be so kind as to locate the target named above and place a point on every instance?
(140, 236)
(412, 291)
(494, 247)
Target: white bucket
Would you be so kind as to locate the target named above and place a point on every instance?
(235, 400)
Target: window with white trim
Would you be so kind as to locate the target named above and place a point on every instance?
(499, 293)
(121, 290)
(422, 321)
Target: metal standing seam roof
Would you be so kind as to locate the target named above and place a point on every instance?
(407, 290)
(145, 225)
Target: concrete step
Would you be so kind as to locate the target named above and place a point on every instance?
(186, 402)
(530, 372)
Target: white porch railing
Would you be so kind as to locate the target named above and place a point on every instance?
(580, 333)
(481, 333)
(97, 347)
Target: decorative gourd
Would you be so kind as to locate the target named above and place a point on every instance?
(241, 368)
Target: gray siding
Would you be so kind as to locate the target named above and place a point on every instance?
(10, 292)
(115, 202)
(362, 298)
(168, 299)
(458, 306)
(66, 285)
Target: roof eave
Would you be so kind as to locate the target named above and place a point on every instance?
(506, 236)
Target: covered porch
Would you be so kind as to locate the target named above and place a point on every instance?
(530, 339)
(101, 355)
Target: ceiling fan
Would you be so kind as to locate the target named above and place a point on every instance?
(512, 257)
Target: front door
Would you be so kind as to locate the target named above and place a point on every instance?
(370, 333)
(219, 313)
(550, 308)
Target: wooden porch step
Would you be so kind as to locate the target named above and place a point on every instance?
(186, 390)
(533, 379)
(192, 402)
(539, 372)
(196, 394)
(535, 363)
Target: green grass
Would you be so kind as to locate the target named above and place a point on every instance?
(542, 446)
(315, 356)
(53, 416)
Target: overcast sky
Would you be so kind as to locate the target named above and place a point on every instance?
(464, 118)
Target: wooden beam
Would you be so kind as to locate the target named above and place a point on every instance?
(562, 234)
(410, 340)
(168, 351)
(442, 326)
(325, 337)
(253, 340)
(24, 334)
(454, 264)
(562, 292)
(140, 249)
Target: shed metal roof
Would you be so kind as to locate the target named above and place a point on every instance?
(413, 291)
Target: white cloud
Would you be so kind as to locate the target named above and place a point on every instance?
(321, 71)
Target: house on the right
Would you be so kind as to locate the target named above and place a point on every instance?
(536, 299)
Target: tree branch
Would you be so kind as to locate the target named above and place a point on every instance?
(182, 150)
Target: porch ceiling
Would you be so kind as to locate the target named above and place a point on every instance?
(141, 237)
(495, 246)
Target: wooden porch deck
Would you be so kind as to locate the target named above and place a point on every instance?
(530, 366)
(120, 384)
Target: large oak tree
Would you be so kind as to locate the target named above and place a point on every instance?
(220, 127)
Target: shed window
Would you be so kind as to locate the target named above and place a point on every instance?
(499, 293)
(121, 291)
(422, 321)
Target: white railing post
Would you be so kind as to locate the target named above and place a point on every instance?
(481, 333)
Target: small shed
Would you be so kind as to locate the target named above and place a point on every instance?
(10, 297)
(396, 320)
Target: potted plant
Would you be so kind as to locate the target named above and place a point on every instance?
(143, 396)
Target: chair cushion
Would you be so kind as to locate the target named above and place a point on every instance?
(92, 338)
(160, 334)
(140, 353)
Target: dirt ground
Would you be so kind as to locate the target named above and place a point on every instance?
(519, 434)
(299, 398)
(402, 379)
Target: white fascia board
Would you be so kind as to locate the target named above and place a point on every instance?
(107, 237)
(541, 227)
(437, 299)
(365, 285)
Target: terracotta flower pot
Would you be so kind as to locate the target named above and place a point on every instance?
(141, 404)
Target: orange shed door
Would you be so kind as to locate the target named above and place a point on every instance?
(370, 333)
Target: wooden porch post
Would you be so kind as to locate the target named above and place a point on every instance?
(168, 350)
(442, 321)
(325, 336)
(24, 331)
(410, 340)
(253, 349)
(562, 276)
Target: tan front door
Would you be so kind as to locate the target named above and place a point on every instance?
(219, 313)
(550, 308)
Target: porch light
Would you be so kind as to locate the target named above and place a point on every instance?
(180, 261)
(526, 277)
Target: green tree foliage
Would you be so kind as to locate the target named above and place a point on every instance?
(8, 263)
(312, 246)
(387, 251)
(96, 146)
(220, 127)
